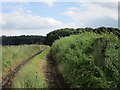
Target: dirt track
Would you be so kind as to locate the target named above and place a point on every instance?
(53, 77)
(7, 80)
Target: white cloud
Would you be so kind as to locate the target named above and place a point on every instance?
(21, 23)
(50, 3)
(95, 15)
(29, 11)
(2, 22)
(11, 32)
(72, 8)
(61, 0)
(18, 20)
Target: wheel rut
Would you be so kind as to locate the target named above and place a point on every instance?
(53, 77)
(7, 80)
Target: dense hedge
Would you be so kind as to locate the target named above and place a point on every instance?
(75, 59)
(56, 34)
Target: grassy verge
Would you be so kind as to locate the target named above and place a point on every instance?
(13, 55)
(32, 74)
(0, 66)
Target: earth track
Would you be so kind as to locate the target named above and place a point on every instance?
(54, 78)
(7, 80)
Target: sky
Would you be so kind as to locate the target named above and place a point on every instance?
(40, 18)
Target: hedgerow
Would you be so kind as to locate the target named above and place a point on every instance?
(75, 59)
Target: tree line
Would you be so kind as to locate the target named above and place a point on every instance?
(21, 40)
(56, 34)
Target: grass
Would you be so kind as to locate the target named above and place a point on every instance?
(0, 67)
(32, 74)
(14, 55)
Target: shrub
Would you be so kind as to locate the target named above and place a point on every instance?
(75, 59)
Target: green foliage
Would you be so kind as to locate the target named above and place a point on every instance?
(75, 59)
(56, 34)
(21, 40)
(52, 36)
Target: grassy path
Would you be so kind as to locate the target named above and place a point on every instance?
(32, 75)
(12, 56)
(39, 71)
(7, 80)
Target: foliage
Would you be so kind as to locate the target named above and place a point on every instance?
(52, 36)
(56, 34)
(21, 40)
(75, 59)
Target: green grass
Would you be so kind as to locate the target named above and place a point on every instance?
(0, 66)
(32, 74)
(75, 59)
(14, 55)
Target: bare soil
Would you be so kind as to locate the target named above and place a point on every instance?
(53, 77)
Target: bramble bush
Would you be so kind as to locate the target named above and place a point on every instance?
(75, 59)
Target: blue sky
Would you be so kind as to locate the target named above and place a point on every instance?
(39, 18)
(42, 9)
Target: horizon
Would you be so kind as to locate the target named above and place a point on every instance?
(51, 31)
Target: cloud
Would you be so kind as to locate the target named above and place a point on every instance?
(11, 32)
(94, 14)
(19, 22)
(60, 0)
(50, 3)
(29, 11)
(72, 8)
(109, 5)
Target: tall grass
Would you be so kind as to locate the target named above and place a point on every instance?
(13, 55)
(75, 59)
(32, 75)
(0, 66)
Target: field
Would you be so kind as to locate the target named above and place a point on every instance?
(86, 60)
(32, 75)
(14, 55)
(0, 66)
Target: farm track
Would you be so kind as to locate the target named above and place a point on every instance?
(7, 80)
(53, 77)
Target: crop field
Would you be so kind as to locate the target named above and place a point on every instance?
(13, 55)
